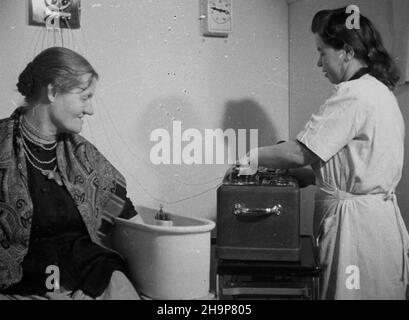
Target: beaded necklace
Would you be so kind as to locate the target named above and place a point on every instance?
(47, 143)
(36, 136)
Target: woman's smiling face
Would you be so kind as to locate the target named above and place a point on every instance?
(67, 109)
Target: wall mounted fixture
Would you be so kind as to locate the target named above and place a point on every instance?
(55, 13)
(216, 17)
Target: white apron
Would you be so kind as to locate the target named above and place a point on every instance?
(358, 134)
(363, 244)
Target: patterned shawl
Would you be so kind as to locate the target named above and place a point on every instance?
(94, 184)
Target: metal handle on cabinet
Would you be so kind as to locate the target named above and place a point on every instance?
(241, 210)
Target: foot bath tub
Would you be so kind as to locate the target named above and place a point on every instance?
(166, 262)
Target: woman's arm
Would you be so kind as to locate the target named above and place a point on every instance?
(286, 155)
(305, 176)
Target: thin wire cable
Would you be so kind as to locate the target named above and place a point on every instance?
(61, 37)
(43, 40)
(69, 33)
(72, 35)
(48, 37)
(76, 46)
(34, 40)
(129, 149)
(40, 36)
(186, 198)
(153, 197)
(84, 39)
(54, 37)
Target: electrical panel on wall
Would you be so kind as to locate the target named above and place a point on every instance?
(216, 17)
(55, 13)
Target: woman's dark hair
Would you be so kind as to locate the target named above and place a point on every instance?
(61, 67)
(331, 26)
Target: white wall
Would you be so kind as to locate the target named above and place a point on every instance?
(154, 68)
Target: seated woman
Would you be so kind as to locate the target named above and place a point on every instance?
(57, 190)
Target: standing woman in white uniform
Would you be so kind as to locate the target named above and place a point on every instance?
(354, 143)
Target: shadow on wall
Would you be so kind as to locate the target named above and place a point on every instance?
(248, 114)
(402, 93)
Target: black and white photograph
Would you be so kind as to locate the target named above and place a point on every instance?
(201, 156)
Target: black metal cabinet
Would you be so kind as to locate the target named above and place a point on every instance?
(248, 279)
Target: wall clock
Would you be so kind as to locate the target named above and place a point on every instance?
(216, 17)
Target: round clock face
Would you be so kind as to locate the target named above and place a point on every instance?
(220, 10)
